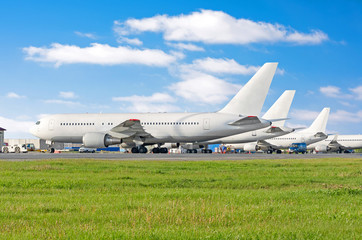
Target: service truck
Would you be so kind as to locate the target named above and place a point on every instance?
(14, 149)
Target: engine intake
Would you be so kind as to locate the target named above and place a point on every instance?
(250, 147)
(99, 140)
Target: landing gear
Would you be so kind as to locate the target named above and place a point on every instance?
(269, 151)
(139, 149)
(135, 150)
(279, 151)
(206, 151)
(159, 150)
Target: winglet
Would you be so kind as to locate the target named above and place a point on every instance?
(250, 99)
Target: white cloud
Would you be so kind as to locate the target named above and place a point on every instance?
(338, 116)
(15, 128)
(220, 66)
(14, 95)
(63, 102)
(87, 35)
(357, 91)
(217, 27)
(202, 88)
(188, 47)
(132, 41)
(102, 54)
(344, 116)
(304, 115)
(67, 95)
(158, 102)
(155, 98)
(143, 107)
(335, 92)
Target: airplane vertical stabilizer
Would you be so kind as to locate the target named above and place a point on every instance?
(280, 108)
(320, 123)
(250, 99)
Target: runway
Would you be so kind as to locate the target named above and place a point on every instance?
(32, 156)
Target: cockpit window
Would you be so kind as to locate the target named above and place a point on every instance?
(37, 123)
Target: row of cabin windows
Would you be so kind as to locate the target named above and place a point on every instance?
(144, 124)
(284, 138)
(169, 123)
(76, 124)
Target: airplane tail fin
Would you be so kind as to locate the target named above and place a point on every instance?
(280, 108)
(320, 123)
(250, 99)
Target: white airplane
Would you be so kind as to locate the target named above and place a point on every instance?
(337, 143)
(315, 133)
(279, 110)
(139, 129)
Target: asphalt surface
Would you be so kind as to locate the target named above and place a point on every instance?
(31, 156)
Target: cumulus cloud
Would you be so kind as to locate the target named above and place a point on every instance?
(357, 91)
(344, 116)
(335, 92)
(67, 95)
(155, 98)
(217, 27)
(188, 47)
(304, 115)
(64, 102)
(87, 35)
(15, 128)
(14, 95)
(202, 88)
(338, 116)
(102, 54)
(220, 66)
(158, 102)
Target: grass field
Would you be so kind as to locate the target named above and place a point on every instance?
(252, 199)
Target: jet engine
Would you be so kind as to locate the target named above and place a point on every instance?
(170, 145)
(250, 147)
(322, 148)
(99, 140)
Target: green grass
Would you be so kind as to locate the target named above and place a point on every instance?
(253, 199)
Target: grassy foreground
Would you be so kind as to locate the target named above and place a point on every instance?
(254, 199)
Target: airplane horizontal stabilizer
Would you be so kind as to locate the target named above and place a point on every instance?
(246, 121)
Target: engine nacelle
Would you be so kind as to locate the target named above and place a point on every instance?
(250, 147)
(99, 140)
(170, 145)
(128, 144)
(321, 148)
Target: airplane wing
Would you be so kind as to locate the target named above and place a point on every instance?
(273, 129)
(246, 121)
(129, 128)
(334, 144)
(265, 144)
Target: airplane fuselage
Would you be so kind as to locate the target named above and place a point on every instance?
(163, 127)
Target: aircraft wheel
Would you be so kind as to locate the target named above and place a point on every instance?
(188, 151)
(163, 150)
(156, 150)
(17, 150)
(6, 150)
(269, 152)
(279, 151)
(142, 149)
(209, 151)
(135, 150)
(194, 151)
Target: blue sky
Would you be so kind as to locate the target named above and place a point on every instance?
(177, 56)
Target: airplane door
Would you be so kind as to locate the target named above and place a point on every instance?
(206, 123)
(51, 124)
